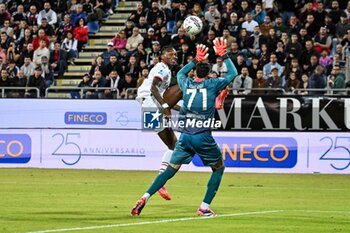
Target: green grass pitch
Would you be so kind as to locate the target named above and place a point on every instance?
(98, 201)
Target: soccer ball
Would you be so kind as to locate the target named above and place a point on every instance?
(192, 25)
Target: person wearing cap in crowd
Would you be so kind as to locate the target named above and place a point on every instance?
(134, 40)
(148, 39)
(37, 81)
(274, 81)
(109, 52)
(233, 25)
(154, 52)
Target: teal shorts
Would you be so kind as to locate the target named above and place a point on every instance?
(202, 144)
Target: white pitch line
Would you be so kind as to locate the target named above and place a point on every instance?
(156, 222)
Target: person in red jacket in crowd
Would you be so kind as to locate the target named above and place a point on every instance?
(81, 33)
(41, 35)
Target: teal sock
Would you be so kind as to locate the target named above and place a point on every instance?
(161, 179)
(213, 184)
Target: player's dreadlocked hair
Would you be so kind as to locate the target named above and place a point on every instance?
(202, 69)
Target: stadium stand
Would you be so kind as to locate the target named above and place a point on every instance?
(315, 33)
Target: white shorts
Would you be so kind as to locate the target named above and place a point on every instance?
(149, 102)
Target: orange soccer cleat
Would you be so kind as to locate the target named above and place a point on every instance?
(163, 192)
(207, 212)
(136, 211)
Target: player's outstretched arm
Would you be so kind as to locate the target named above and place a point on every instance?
(201, 55)
(220, 47)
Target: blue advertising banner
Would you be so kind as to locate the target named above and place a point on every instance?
(15, 148)
(257, 152)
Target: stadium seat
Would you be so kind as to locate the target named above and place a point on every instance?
(93, 27)
(170, 25)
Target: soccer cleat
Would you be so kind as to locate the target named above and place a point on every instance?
(220, 99)
(136, 211)
(207, 213)
(163, 192)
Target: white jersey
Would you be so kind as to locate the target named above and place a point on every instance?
(160, 71)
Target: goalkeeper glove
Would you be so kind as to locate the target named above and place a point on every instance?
(220, 46)
(201, 53)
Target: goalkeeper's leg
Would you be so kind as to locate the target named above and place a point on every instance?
(212, 188)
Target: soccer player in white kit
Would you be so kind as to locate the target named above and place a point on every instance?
(150, 95)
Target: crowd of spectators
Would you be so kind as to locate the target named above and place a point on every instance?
(40, 38)
(291, 47)
(277, 44)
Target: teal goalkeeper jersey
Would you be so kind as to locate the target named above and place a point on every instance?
(198, 109)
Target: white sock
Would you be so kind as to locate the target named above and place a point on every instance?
(204, 206)
(165, 161)
(147, 196)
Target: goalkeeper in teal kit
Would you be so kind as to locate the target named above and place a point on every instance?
(195, 122)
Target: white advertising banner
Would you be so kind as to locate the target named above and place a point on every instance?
(254, 152)
(58, 113)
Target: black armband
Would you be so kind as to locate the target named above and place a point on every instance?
(195, 61)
